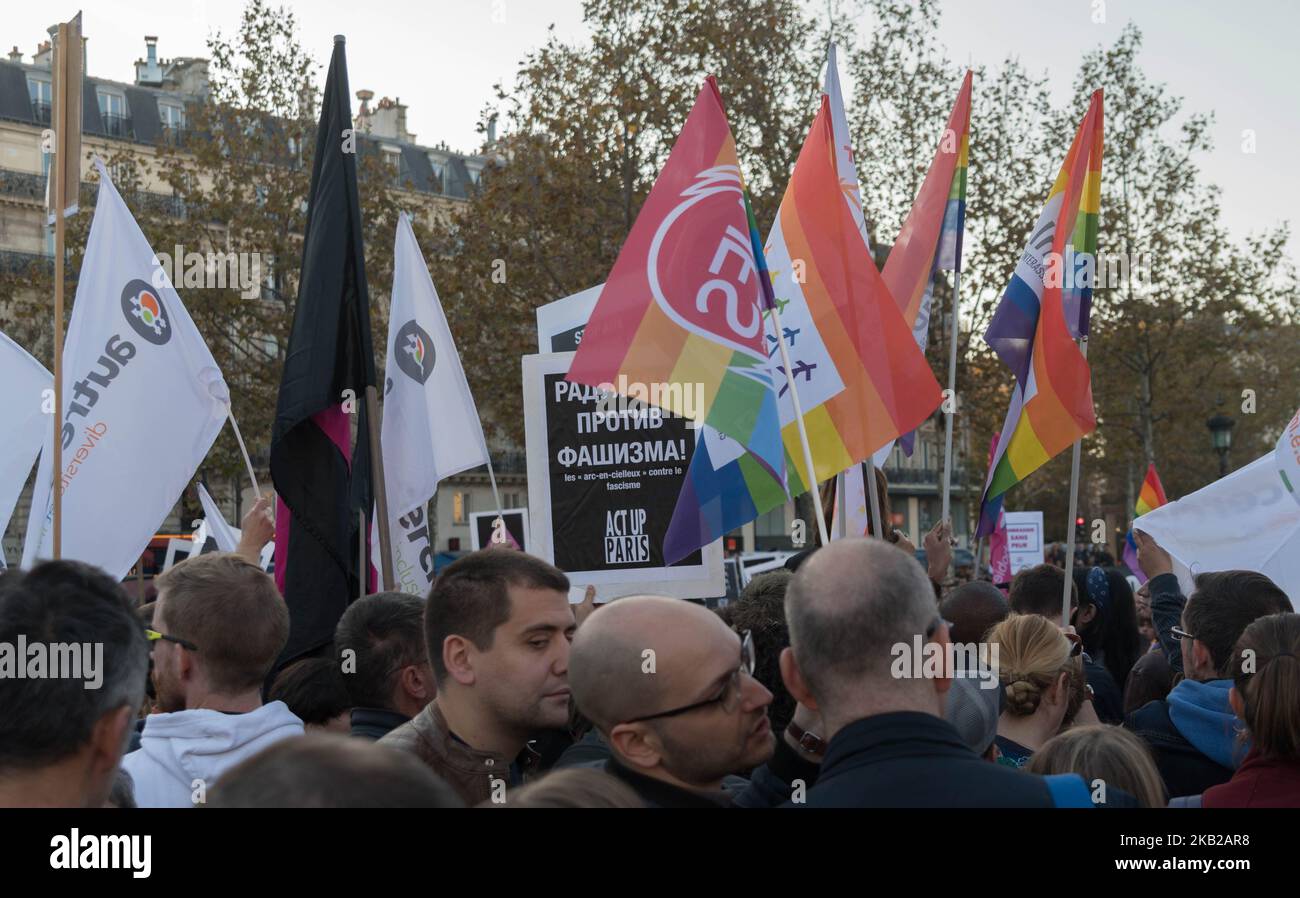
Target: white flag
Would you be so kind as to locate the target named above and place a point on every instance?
(431, 427)
(225, 536)
(27, 397)
(144, 401)
(1245, 521)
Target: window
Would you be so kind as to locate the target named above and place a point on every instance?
(112, 109)
(172, 116)
(41, 96)
(439, 173)
(460, 508)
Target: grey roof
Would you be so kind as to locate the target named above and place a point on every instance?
(144, 125)
(15, 102)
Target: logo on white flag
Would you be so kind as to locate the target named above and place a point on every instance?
(145, 312)
(415, 353)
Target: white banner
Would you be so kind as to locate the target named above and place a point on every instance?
(1246, 521)
(225, 536)
(26, 404)
(144, 401)
(431, 427)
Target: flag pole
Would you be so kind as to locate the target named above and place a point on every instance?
(492, 478)
(60, 196)
(363, 579)
(248, 463)
(803, 432)
(1074, 509)
(951, 402)
(381, 497)
(873, 497)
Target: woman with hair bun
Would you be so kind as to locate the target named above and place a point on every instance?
(1041, 675)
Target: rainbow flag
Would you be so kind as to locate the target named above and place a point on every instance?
(931, 237)
(1150, 497)
(1045, 307)
(861, 378)
(681, 315)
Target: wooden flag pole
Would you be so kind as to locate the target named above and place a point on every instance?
(60, 195)
(363, 580)
(803, 432)
(1074, 509)
(381, 497)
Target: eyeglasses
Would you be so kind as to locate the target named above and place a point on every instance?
(1181, 633)
(729, 698)
(154, 636)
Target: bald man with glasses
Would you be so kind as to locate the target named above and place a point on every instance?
(670, 687)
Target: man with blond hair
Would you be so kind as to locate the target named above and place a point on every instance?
(218, 626)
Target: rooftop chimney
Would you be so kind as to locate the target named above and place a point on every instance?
(149, 71)
(15, 55)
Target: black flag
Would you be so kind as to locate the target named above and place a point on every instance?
(328, 365)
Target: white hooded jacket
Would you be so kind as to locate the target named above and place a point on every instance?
(183, 749)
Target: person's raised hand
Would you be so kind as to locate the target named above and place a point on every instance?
(938, 550)
(257, 529)
(904, 543)
(584, 609)
(1153, 560)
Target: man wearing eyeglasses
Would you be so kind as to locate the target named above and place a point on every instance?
(218, 626)
(671, 689)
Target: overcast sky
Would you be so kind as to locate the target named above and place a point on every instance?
(442, 58)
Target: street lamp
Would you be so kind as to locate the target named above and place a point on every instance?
(1221, 438)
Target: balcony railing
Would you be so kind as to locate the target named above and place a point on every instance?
(42, 112)
(27, 185)
(19, 263)
(117, 125)
(175, 137)
(31, 186)
(898, 476)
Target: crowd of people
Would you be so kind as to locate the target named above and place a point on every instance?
(494, 691)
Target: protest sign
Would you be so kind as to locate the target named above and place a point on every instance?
(560, 324)
(602, 485)
(1024, 539)
(483, 532)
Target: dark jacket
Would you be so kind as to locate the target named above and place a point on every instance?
(1106, 698)
(375, 723)
(1191, 734)
(909, 759)
(770, 784)
(1167, 603)
(473, 774)
(1258, 783)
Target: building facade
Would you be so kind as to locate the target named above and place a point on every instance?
(136, 120)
